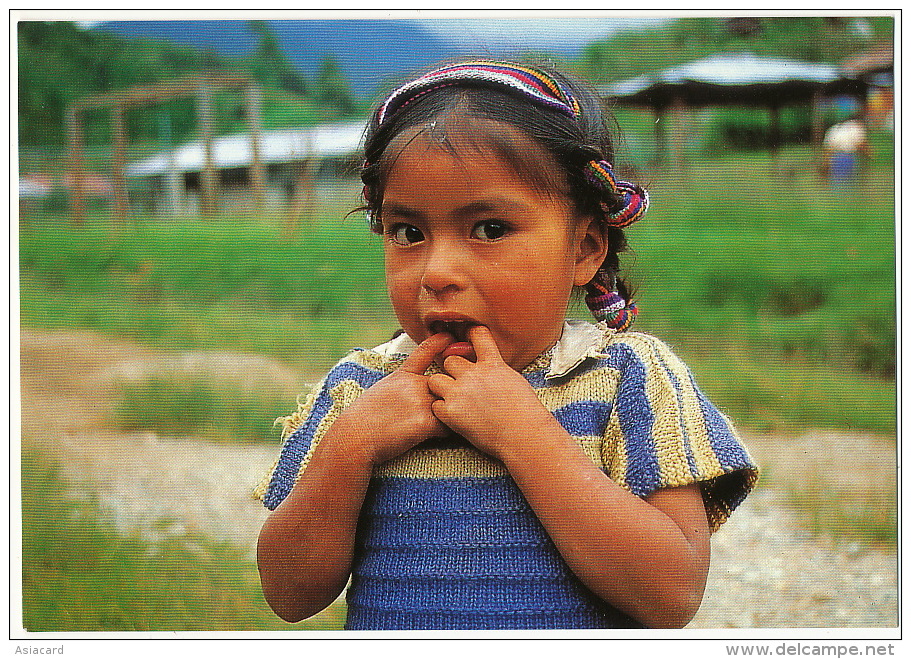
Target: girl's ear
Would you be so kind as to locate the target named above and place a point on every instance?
(591, 249)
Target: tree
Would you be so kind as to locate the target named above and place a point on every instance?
(269, 64)
(811, 38)
(60, 63)
(332, 87)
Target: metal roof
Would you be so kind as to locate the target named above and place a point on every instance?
(276, 146)
(731, 78)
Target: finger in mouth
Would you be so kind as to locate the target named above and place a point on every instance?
(457, 328)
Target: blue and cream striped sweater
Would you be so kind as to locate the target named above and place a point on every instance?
(447, 541)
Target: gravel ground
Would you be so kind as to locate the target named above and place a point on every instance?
(766, 570)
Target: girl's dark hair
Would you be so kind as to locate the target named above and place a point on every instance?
(568, 144)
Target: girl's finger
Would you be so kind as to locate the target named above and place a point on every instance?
(439, 384)
(485, 348)
(456, 365)
(425, 353)
(438, 407)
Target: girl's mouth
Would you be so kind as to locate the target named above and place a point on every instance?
(457, 328)
(461, 347)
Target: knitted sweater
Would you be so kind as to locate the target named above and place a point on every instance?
(446, 539)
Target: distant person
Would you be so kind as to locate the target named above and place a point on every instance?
(496, 466)
(843, 145)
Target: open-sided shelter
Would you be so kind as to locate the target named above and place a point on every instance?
(734, 79)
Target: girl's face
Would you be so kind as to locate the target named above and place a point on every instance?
(468, 242)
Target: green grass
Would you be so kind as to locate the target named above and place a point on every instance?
(800, 271)
(202, 407)
(777, 289)
(229, 261)
(79, 574)
(232, 283)
(767, 393)
(868, 517)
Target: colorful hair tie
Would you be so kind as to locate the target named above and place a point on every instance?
(609, 307)
(531, 83)
(632, 199)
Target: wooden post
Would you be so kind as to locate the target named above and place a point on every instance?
(818, 161)
(679, 132)
(76, 167)
(302, 198)
(207, 180)
(118, 162)
(202, 86)
(173, 179)
(775, 137)
(254, 118)
(816, 117)
(660, 134)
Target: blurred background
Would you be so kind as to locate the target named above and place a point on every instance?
(189, 264)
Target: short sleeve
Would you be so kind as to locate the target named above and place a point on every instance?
(664, 432)
(304, 429)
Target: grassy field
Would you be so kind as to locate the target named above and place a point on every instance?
(81, 575)
(778, 289)
(190, 405)
(228, 283)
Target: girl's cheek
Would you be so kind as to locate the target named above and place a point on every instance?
(402, 290)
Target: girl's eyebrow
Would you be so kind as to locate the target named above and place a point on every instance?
(492, 204)
(392, 208)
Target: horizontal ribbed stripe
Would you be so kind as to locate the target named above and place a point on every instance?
(403, 496)
(360, 617)
(454, 563)
(468, 528)
(443, 463)
(462, 553)
(467, 595)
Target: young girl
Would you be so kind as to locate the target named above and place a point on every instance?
(495, 466)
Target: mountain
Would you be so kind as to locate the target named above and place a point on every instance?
(372, 54)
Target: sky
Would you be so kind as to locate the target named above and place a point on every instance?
(551, 31)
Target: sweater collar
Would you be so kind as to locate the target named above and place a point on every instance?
(580, 340)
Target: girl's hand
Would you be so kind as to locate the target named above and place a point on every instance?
(395, 414)
(306, 546)
(487, 401)
(648, 557)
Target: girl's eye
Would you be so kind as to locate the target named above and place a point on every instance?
(405, 234)
(489, 230)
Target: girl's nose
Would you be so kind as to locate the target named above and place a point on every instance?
(443, 269)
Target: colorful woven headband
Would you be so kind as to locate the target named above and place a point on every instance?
(539, 87)
(534, 84)
(609, 307)
(632, 199)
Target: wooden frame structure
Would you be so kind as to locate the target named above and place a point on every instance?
(202, 88)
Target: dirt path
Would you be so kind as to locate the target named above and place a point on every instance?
(766, 570)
